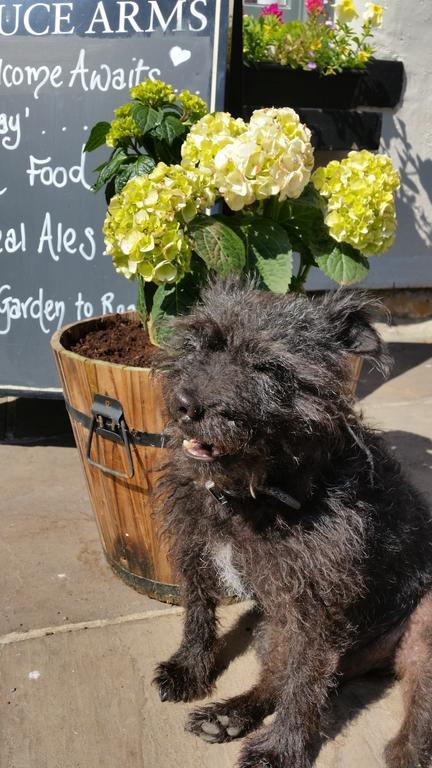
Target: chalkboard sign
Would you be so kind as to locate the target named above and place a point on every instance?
(63, 67)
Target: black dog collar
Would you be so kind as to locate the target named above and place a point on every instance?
(276, 493)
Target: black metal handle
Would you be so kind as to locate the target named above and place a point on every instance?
(108, 421)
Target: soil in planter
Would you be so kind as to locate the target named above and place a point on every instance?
(123, 341)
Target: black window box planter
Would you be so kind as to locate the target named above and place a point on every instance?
(379, 85)
(330, 105)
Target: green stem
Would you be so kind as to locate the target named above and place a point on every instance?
(297, 284)
(149, 292)
(141, 305)
(272, 208)
(144, 302)
(304, 275)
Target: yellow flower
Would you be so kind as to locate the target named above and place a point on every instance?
(345, 10)
(315, 45)
(360, 194)
(144, 227)
(364, 56)
(373, 14)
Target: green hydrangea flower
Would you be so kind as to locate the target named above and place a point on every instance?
(124, 110)
(121, 130)
(360, 194)
(145, 226)
(153, 93)
(194, 107)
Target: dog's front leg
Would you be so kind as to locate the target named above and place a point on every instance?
(304, 671)
(188, 674)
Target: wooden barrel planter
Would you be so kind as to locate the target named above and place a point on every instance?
(118, 417)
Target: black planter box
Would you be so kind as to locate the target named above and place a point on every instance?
(379, 85)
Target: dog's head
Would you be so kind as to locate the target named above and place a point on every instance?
(250, 376)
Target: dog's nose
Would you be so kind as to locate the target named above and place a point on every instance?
(189, 408)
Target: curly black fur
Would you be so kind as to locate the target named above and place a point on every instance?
(257, 386)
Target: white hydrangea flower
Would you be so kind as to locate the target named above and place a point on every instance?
(272, 155)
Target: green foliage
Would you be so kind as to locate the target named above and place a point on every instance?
(317, 43)
(139, 167)
(111, 168)
(97, 136)
(171, 300)
(276, 272)
(261, 37)
(170, 129)
(148, 129)
(269, 253)
(220, 248)
(146, 117)
(339, 261)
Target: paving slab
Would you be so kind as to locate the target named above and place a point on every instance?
(53, 570)
(84, 699)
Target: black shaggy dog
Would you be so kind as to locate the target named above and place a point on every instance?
(278, 490)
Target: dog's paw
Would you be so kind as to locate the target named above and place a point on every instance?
(258, 752)
(178, 682)
(251, 758)
(221, 722)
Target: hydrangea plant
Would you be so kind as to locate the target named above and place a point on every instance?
(324, 42)
(237, 197)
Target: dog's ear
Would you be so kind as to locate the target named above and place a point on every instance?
(350, 315)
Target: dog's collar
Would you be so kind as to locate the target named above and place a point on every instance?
(221, 496)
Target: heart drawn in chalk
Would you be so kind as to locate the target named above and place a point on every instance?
(179, 55)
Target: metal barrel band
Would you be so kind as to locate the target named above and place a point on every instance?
(107, 421)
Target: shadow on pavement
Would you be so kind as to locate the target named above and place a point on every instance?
(406, 355)
(35, 421)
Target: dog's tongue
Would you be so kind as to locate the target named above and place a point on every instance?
(198, 450)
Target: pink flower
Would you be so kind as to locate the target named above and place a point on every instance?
(314, 6)
(272, 10)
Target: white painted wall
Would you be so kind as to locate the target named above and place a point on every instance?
(406, 35)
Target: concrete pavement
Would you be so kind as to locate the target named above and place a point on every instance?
(78, 647)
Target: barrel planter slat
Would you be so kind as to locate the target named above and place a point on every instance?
(124, 508)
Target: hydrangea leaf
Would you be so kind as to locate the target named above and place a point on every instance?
(146, 117)
(271, 248)
(340, 261)
(170, 129)
(304, 214)
(221, 249)
(172, 300)
(112, 167)
(97, 136)
(276, 273)
(144, 164)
